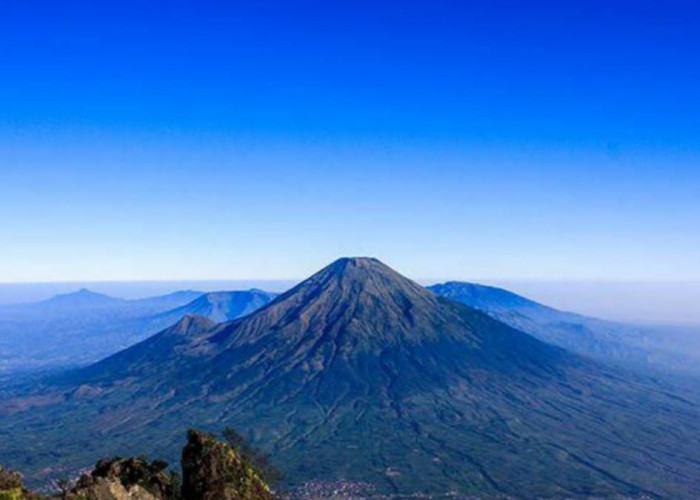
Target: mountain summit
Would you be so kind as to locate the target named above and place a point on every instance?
(82, 300)
(359, 373)
(356, 311)
(360, 301)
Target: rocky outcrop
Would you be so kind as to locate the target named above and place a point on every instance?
(11, 487)
(125, 479)
(212, 470)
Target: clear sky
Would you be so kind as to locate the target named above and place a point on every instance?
(261, 140)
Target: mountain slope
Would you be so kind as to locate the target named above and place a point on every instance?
(220, 306)
(655, 347)
(361, 374)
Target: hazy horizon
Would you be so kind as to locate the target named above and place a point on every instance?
(670, 303)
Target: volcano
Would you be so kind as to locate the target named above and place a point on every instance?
(360, 374)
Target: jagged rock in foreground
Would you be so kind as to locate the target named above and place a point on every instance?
(125, 479)
(211, 470)
(12, 488)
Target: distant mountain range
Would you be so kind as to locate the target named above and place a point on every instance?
(78, 328)
(85, 302)
(83, 327)
(662, 348)
(359, 373)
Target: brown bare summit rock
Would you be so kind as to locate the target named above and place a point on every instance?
(212, 470)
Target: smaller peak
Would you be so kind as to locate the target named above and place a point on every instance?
(85, 292)
(193, 324)
(194, 318)
(82, 296)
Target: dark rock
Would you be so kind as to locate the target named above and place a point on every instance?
(12, 488)
(212, 470)
(125, 479)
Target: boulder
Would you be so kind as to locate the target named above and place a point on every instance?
(212, 470)
(12, 488)
(125, 479)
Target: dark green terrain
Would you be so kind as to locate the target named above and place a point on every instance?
(361, 374)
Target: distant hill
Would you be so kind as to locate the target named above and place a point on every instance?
(88, 303)
(661, 347)
(83, 327)
(360, 374)
(82, 299)
(69, 304)
(220, 306)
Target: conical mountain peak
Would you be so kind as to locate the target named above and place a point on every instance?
(354, 301)
(362, 275)
(80, 299)
(84, 293)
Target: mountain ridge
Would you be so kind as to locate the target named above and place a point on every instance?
(222, 306)
(642, 348)
(71, 336)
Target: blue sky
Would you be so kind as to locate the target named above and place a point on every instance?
(224, 140)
